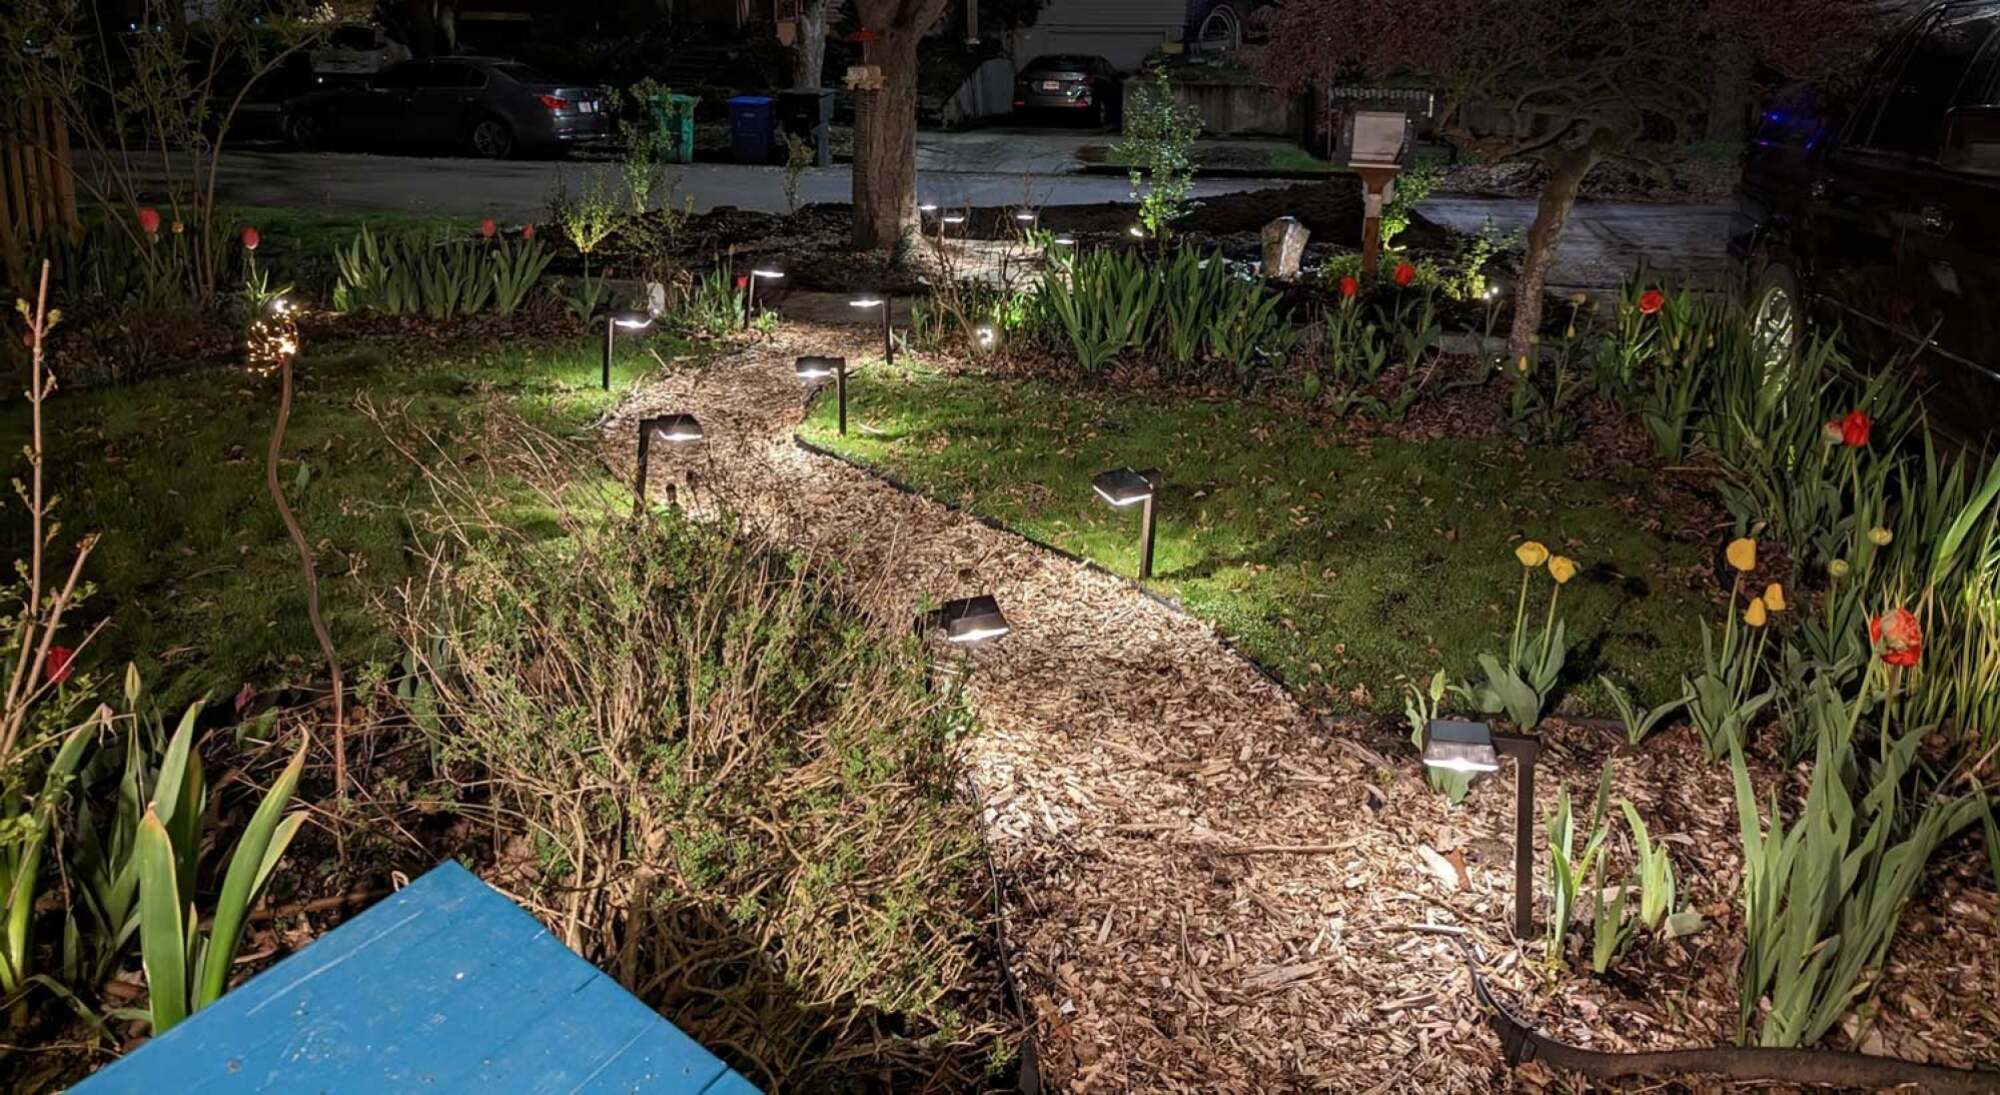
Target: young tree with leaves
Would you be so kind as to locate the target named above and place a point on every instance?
(1567, 85)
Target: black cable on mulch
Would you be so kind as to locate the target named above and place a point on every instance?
(1754, 1063)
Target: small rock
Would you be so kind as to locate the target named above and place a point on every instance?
(1284, 245)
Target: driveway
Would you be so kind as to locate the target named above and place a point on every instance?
(1604, 242)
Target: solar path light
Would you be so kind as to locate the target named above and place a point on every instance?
(1124, 487)
(888, 332)
(750, 291)
(626, 320)
(674, 429)
(819, 368)
(1472, 748)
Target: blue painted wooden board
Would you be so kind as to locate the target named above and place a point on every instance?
(444, 986)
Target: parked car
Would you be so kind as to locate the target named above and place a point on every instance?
(354, 53)
(489, 107)
(1877, 208)
(1069, 85)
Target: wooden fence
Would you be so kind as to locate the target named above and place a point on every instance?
(37, 193)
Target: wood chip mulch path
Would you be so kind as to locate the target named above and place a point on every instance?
(1206, 887)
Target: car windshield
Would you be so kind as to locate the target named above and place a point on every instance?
(1059, 62)
(521, 73)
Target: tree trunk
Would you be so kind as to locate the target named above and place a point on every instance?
(1729, 92)
(885, 145)
(809, 51)
(1551, 213)
(422, 27)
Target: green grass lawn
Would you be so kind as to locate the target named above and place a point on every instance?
(194, 572)
(1343, 566)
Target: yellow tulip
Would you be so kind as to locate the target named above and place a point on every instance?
(1531, 553)
(1880, 536)
(1754, 615)
(1562, 568)
(1838, 568)
(1774, 597)
(1742, 554)
(1522, 364)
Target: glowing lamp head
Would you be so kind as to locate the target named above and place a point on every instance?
(986, 337)
(1026, 216)
(631, 320)
(1123, 487)
(972, 621)
(1066, 241)
(1136, 232)
(865, 302)
(927, 207)
(676, 429)
(768, 275)
(954, 218)
(817, 368)
(1453, 746)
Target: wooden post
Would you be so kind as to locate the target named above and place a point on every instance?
(1375, 182)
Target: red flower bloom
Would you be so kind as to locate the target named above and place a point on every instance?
(149, 221)
(1897, 638)
(487, 228)
(1405, 274)
(1651, 301)
(1349, 287)
(527, 231)
(59, 665)
(1854, 428)
(251, 239)
(742, 281)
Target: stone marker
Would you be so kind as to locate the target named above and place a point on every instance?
(1284, 245)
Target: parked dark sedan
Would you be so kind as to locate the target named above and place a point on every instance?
(1069, 85)
(489, 107)
(1877, 209)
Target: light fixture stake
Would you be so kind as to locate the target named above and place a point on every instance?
(1525, 750)
(610, 337)
(888, 331)
(840, 388)
(1146, 540)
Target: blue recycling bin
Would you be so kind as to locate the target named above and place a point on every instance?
(751, 120)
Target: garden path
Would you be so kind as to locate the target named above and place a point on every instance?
(1203, 888)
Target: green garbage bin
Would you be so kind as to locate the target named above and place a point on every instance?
(674, 114)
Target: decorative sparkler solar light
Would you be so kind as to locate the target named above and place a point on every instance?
(1472, 748)
(1124, 487)
(627, 320)
(971, 621)
(819, 368)
(888, 332)
(750, 291)
(674, 429)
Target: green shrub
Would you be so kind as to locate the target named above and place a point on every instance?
(744, 801)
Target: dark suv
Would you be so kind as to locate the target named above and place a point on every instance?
(1877, 207)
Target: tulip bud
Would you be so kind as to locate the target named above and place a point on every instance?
(1880, 536)
(1838, 568)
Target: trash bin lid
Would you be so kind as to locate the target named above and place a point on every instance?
(751, 100)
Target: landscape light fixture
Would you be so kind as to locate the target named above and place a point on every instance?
(1027, 217)
(888, 332)
(971, 621)
(1066, 241)
(626, 320)
(674, 429)
(927, 207)
(750, 291)
(1137, 232)
(1124, 487)
(986, 337)
(1472, 748)
(819, 368)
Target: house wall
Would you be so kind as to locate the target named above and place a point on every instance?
(1120, 31)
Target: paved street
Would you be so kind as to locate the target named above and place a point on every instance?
(1604, 241)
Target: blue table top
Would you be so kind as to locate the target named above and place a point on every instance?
(444, 986)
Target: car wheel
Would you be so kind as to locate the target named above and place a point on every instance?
(1777, 322)
(307, 132)
(491, 138)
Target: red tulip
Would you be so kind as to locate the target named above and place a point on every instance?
(487, 228)
(1854, 429)
(59, 665)
(527, 231)
(1897, 638)
(149, 221)
(1349, 287)
(1405, 274)
(1650, 301)
(742, 281)
(251, 239)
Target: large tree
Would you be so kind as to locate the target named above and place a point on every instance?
(885, 120)
(809, 45)
(1567, 84)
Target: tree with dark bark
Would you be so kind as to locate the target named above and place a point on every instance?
(1567, 84)
(885, 120)
(809, 48)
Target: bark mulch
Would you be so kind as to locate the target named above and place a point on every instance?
(1206, 887)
